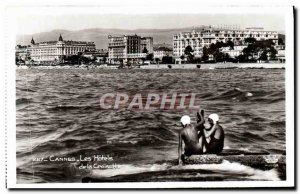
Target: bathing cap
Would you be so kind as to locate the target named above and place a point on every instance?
(214, 117)
(185, 120)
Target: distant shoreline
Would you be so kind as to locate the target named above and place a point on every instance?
(170, 66)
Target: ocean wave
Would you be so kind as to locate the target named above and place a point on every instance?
(25, 89)
(21, 101)
(256, 137)
(71, 107)
(231, 168)
(233, 95)
(238, 95)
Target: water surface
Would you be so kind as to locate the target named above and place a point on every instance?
(58, 114)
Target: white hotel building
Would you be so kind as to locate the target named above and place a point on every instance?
(198, 39)
(161, 52)
(54, 51)
(128, 49)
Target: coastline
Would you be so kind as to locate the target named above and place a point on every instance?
(171, 66)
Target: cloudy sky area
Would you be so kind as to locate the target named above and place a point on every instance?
(44, 23)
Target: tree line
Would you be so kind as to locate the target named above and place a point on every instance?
(254, 50)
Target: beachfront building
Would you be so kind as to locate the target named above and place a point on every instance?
(136, 58)
(21, 52)
(233, 52)
(55, 51)
(147, 43)
(128, 49)
(281, 53)
(161, 52)
(99, 55)
(200, 38)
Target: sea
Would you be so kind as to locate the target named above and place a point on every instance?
(60, 126)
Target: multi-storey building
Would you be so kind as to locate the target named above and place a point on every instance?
(128, 48)
(100, 55)
(281, 53)
(198, 39)
(147, 42)
(21, 52)
(233, 52)
(117, 48)
(161, 52)
(133, 44)
(54, 51)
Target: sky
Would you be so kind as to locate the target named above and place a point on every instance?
(43, 23)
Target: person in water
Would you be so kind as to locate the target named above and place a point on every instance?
(215, 134)
(199, 140)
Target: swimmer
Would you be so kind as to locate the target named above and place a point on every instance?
(190, 136)
(195, 137)
(215, 134)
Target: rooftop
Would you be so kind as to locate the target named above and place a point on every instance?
(60, 39)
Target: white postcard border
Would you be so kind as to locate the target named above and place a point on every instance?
(10, 25)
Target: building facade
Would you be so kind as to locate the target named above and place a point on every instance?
(198, 39)
(21, 52)
(99, 55)
(233, 52)
(54, 51)
(281, 53)
(147, 42)
(128, 48)
(117, 49)
(161, 52)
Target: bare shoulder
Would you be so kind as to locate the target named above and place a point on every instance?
(189, 128)
(219, 126)
(181, 131)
